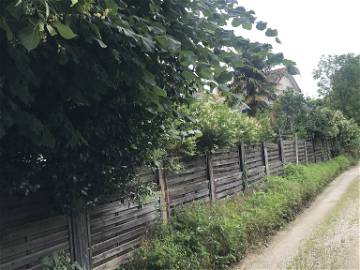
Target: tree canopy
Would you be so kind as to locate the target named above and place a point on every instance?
(86, 86)
(339, 83)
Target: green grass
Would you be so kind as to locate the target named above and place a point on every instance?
(204, 237)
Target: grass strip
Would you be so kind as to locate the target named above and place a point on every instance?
(204, 237)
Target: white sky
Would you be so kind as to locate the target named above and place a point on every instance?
(308, 29)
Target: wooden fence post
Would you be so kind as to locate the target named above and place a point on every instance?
(314, 148)
(325, 155)
(164, 195)
(282, 155)
(296, 149)
(306, 153)
(81, 238)
(242, 164)
(212, 188)
(266, 158)
(328, 150)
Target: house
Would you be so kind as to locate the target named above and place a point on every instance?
(282, 81)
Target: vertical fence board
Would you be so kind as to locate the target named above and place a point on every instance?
(242, 164)
(227, 174)
(314, 150)
(296, 149)
(190, 183)
(306, 152)
(281, 145)
(254, 163)
(274, 158)
(164, 195)
(81, 237)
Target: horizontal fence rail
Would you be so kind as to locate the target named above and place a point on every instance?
(106, 236)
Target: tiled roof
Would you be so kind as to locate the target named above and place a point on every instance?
(274, 76)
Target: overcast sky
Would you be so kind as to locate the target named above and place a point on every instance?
(308, 29)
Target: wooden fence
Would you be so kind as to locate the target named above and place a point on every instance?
(105, 236)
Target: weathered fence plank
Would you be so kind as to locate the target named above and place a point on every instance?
(28, 235)
(81, 238)
(164, 195)
(227, 173)
(296, 149)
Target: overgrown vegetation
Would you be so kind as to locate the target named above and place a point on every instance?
(90, 90)
(317, 119)
(60, 261)
(223, 126)
(339, 83)
(87, 87)
(203, 237)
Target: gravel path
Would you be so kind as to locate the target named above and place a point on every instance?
(288, 247)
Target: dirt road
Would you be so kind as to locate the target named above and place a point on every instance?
(324, 236)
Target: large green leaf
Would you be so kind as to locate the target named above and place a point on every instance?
(187, 75)
(51, 30)
(74, 2)
(271, 32)
(64, 30)
(236, 22)
(293, 70)
(30, 37)
(276, 59)
(168, 43)
(261, 25)
(247, 25)
(224, 77)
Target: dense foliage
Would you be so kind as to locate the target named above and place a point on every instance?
(203, 237)
(324, 122)
(339, 83)
(87, 87)
(222, 126)
(292, 113)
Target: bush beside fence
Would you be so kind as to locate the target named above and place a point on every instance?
(107, 235)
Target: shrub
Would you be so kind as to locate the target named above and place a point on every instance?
(203, 237)
(215, 125)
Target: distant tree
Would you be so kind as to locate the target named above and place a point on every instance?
(290, 112)
(345, 93)
(253, 84)
(339, 83)
(326, 69)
